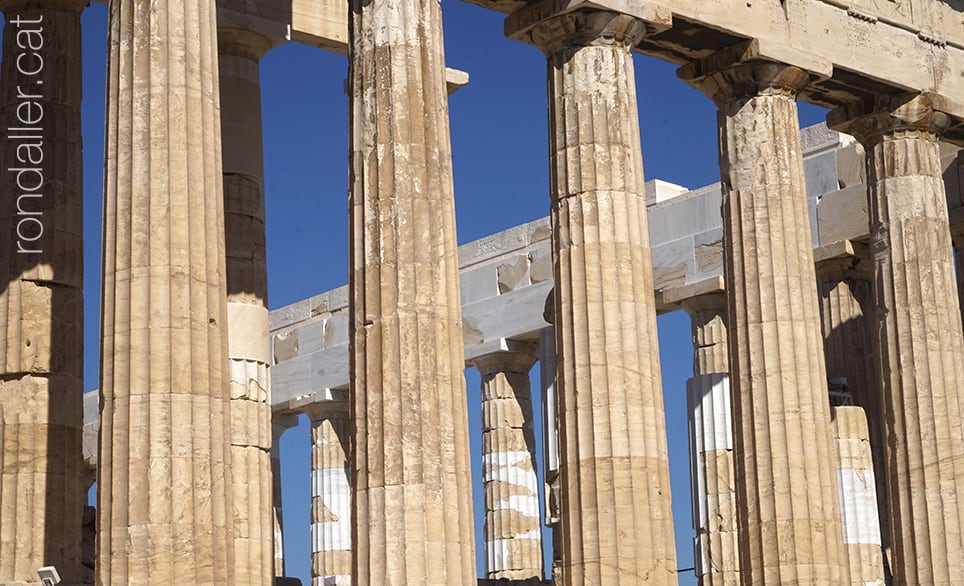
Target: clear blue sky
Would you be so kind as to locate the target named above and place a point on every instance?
(499, 141)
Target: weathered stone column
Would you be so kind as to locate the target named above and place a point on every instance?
(713, 479)
(513, 525)
(239, 54)
(858, 497)
(330, 494)
(920, 357)
(787, 500)
(617, 521)
(41, 306)
(164, 477)
(550, 439)
(412, 495)
(279, 423)
(843, 283)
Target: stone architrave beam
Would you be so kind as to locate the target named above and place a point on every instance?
(507, 276)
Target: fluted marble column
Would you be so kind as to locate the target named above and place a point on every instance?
(843, 283)
(41, 305)
(239, 54)
(787, 499)
(617, 522)
(920, 357)
(164, 478)
(513, 526)
(331, 556)
(858, 497)
(713, 479)
(412, 493)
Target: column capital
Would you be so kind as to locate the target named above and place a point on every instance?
(9, 5)
(868, 120)
(556, 26)
(734, 83)
(844, 260)
(244, 43)
(712, 301)
(515, 357)
(327, 409)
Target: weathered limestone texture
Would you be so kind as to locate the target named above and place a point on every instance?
(41, 305)
(713, 480)
(550, 439)
(330, 495)
(920, 357)
(164, 478)
(410, 455)
(787, 500)
(279, 423)
(858, 497)
(616, 511)
(510, 488)
(249, 355)
(843, 282)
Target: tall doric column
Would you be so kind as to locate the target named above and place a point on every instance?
(279, 423)
(617, 522)
(550, 440)
(164, 477)
(239, 54)
(843, 283)
(412, 493)
(787, 500)
(920, 357)
(858, 497)
(330, 494)
(513, 525)
(711, 445)
(41, 305)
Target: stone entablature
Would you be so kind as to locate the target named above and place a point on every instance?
(506, 277)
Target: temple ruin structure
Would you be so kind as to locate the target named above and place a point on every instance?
(822, 275)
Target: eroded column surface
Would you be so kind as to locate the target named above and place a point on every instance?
(330, 496)
(410, 455)
(858, 497)
(279, 423)
(550, 439)
(920, 357)
(713, 479)
(843, 284)
(513, 527)
(249, 355)
(617, 521)
(164, 478)
(41, 305)
(787, 501)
